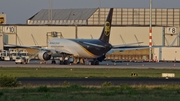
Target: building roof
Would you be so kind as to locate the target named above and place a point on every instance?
(97, 16)
(64, 14)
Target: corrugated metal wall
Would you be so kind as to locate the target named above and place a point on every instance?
(135, 16)
(25, 33)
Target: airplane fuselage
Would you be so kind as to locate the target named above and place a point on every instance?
(84, 48)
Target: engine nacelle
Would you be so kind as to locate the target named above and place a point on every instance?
(101, 58)
(43, 55)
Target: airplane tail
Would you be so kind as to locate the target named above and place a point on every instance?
(107, 27)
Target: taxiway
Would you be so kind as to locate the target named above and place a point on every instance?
(104, 64)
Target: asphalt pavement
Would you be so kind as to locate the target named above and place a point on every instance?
(104, 64)
(98, 81)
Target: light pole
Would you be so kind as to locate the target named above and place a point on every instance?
(75, 26)
(50, 12)
(2, 39)
(150, 30)
(99, 3)
(99, 12)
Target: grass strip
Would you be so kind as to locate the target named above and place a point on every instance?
(85, 72)
(79, 93)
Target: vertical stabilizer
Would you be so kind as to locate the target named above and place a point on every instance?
(107, 27)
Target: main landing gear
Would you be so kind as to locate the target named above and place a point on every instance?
(53, 61)
(64, 60)
(95, 62)
(85, 61)
(61, 62)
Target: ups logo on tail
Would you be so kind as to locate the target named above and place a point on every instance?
(1, 20)
(107, 28)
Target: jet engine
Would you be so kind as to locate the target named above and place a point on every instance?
(101, 58)
(43, 55)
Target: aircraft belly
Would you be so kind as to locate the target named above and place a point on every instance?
(79, 51)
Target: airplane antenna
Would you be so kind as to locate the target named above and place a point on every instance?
(122, 39)
(35, 42)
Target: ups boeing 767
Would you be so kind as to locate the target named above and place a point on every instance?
(94, 49)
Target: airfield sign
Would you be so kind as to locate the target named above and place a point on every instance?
(9, 29)
(171, 30)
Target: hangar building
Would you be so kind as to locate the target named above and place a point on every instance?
(129, 25)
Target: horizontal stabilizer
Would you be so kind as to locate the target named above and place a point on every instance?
(93, 44)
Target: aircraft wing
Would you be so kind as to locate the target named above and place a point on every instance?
(19, 46)
(124, 45)
(51, 51)
(123, 48)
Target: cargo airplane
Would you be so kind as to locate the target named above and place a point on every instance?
(94, 49)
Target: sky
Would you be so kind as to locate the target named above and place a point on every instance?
(18, 11)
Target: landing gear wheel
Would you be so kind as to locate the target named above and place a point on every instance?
(66, 62)
(53, 62)
(61, 62)
(96, 62)
(11, 59)
(92, 62)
